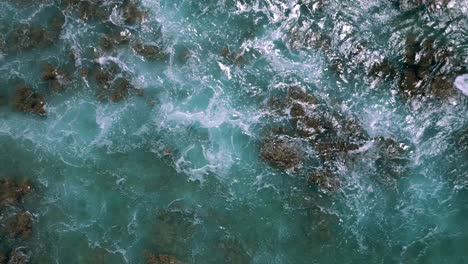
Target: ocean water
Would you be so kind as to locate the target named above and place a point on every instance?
(171, 164)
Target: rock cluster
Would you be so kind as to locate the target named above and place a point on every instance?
(334, 137)
(18, 226)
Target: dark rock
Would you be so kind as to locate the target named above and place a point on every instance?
(20, 226)
(104, 76)
(325, 180)
(331, 150)
(132, 14)
(296, 93)
(426, 53)
(430, 5)
(409, 84)
(230, 250)
(13, 192)
(55, 77)
(282, 152)
(330, 132)
(150, 52)
(391, 159)
(297, 110)
(49, 73)
(88, 10)
(352, 131)
(411, 48)
(383, 69)
(420, 77)
(161, 259)
(122, 89)
(18, 256)
(107, 43)
(310, 126)
(26, 37)
(442, 87)
(27, 101)
(174, 230)
(235, 58)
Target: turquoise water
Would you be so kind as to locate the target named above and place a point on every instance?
(174, 167)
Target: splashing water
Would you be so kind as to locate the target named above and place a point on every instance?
(233, 131)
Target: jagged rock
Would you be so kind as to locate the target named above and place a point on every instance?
(282, 152)
(296, 93)
(325, 180)
(122, 90)
(150, 52)
(105, 75)
(383, 69)
(330, 150)
(55, 77)
(419, 78)
(27, 101)
(107, 43)
(235, 58)
(391, 159)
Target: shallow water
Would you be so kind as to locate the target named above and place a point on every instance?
(177, 170)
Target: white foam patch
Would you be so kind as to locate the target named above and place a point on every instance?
(225, 69)
(461, 83)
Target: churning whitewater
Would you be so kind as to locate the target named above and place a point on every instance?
(248, 131)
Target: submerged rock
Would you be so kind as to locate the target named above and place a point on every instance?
(55, 77)
(296, 93)
(18, 256)
(131, 14)
(88, 10)
(174, 231)
(20, 226)
(107, 43)
(113, 83)
(27, 36)
(325, 180)
(13, 192)
(122, 89)
(235, 58)
(230, 251)
(105, 75)
(148, 51)
(282, 152)
(28, 101)
(391, 159)
(161, 259)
